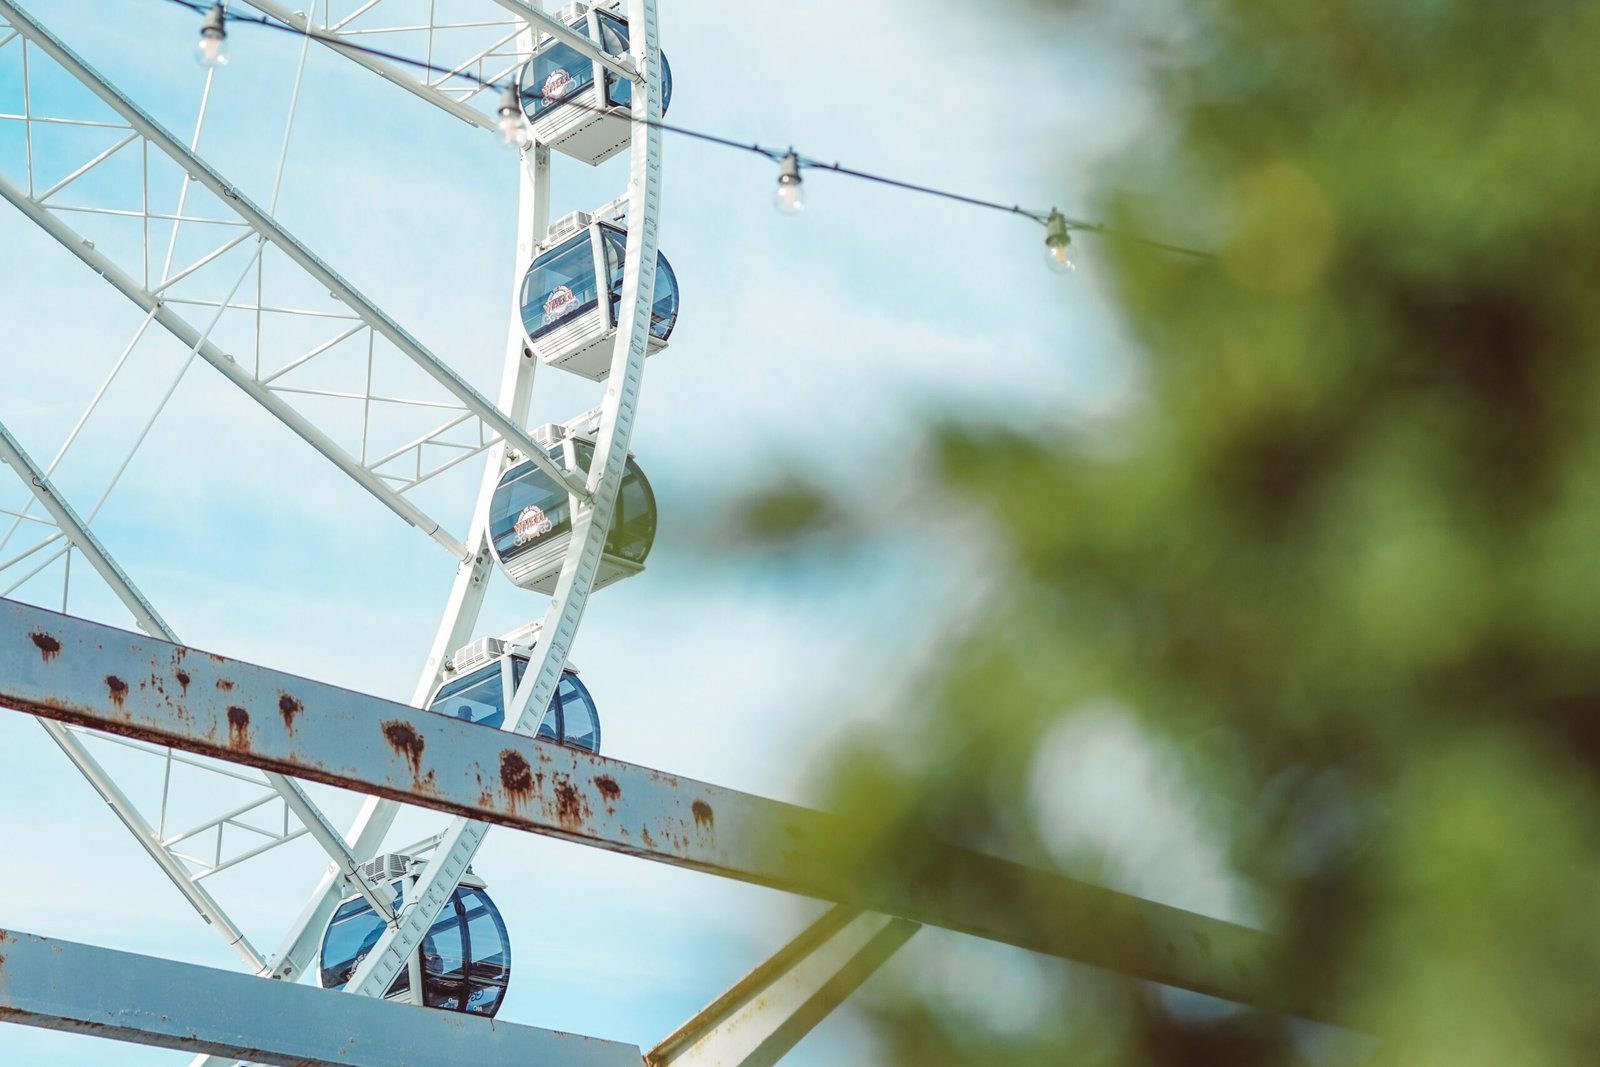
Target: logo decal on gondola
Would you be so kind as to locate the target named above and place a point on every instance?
(532, 523)
(558, 303)
(557, 85)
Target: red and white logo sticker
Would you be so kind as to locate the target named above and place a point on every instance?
(560, 302)
(531, 524)
(557, 85)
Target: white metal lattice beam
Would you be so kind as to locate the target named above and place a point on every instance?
(242, 211)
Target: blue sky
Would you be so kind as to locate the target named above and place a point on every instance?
(814, 343)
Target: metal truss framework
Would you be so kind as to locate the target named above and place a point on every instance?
(356, 322)
(613, 423)
(345, 327)
(256, 227)
(208, 816)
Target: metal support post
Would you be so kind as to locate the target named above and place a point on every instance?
(766, 1013)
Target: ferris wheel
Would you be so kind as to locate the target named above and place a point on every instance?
(560, 510)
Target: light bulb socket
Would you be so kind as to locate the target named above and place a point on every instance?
(789, 169)
(511, 128)
(1055, 230)
(213, 25)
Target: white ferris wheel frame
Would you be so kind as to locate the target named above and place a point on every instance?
(500, 428)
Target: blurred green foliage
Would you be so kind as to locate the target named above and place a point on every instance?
(1340, 555)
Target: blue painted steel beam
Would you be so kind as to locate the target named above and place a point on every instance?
(68, 669)
(62, 985)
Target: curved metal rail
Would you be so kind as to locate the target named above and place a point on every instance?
(591, 521)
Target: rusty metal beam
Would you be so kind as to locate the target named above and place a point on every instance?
(62, 985)
(71, 670)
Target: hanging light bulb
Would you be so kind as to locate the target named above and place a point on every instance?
(212, 48)
(511, 128)
(790, 198)
(1056, 241)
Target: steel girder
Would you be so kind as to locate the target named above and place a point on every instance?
(76, 671)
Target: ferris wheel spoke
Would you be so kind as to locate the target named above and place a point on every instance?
(280, 338)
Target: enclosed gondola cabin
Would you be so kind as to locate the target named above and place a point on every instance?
(530, 521)
(484, 678)
(572, 294)
(464, 960)
(573, 103)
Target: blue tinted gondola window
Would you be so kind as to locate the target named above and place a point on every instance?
(633, 524)
(580, 724)
(352, 933)
(559, 285)
(619, 91)
(571, 718)
(444, 971)
(616, 250)
(466, 955)
(475, 697)
(555, 75)
(528, 510)
(664, 310)
(614, 39)
(488, 952)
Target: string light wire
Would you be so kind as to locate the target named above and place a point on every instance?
(775, 155)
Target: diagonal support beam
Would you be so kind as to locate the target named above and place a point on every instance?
(72, 670)
(83, 539)
(185, 332)
(62, 985)
(766, 1013)
(268, 227)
